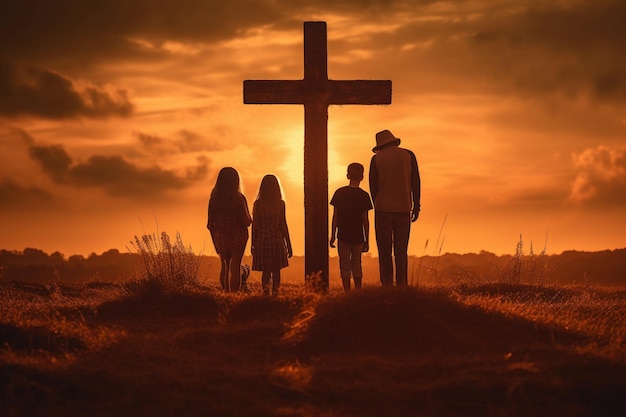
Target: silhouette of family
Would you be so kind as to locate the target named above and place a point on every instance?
(395, 192)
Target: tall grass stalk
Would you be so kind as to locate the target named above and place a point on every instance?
(529, 268)
(415, 279)
(440, 248)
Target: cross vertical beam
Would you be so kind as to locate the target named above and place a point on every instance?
(316, 92)
(315, 154)
(315, 52)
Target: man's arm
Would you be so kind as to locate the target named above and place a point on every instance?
(373, 177)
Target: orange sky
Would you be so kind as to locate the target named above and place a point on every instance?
(116, 117)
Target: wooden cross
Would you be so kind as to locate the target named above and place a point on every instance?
(316, 92)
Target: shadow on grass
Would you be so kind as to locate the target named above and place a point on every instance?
(152, 303)
(260, 308)
(393, 321)
(417, 352)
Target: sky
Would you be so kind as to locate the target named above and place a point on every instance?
(116, 116)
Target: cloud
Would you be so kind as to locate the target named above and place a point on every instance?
(53, 159)
(99, 30)
(601, 176)
(113, 174)
(182, 141)
(15, 195)
(571, 50)
(48, 94)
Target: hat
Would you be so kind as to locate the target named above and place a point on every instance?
(384, 138)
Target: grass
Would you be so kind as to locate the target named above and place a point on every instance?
(164, 344)
(491, 349)
(520, 268)
(595, 312)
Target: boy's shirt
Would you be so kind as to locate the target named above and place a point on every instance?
(350, 203)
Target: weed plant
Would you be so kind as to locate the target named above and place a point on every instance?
(522, 268)
(165, 265)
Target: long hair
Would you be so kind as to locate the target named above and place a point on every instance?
(227, 189)
(270, 195)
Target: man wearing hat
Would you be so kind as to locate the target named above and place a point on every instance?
(395, 189)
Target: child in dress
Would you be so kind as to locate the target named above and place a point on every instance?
(228, 221)
(271, 245)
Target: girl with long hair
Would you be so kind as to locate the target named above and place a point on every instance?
(271, 245)
(228, 221)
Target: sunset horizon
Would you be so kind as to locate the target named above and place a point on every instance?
(115, 118)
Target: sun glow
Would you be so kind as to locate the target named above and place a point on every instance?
(293, 162)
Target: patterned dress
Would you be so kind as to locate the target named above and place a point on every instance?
(269, 230)
(228, 224)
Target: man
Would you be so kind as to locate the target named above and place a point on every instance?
(395, 189)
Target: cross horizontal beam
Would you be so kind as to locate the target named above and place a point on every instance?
(328, 91)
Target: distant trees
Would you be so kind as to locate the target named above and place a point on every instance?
(37, 266)
(607, 267)
(604, 267)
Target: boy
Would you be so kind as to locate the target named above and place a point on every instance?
(350, 226)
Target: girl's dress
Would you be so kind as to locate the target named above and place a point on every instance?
(229, 225)
(269, 228)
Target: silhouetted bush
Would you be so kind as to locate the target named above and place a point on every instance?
(166, 265)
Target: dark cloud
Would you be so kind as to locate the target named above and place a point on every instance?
(572, 50)
(114, 174)
(118, 177)
(610, 85)
(150, 141)
(188, 141)
(569, 49)
(43, 93)
(601, 178)
(15, 195)
(183, 141)
(53, 159)
(97, 30)
(200, 171)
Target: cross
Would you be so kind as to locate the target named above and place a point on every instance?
(316, 92)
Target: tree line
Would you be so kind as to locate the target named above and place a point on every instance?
(606, 267)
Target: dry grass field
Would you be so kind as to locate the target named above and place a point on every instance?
(143, 349)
